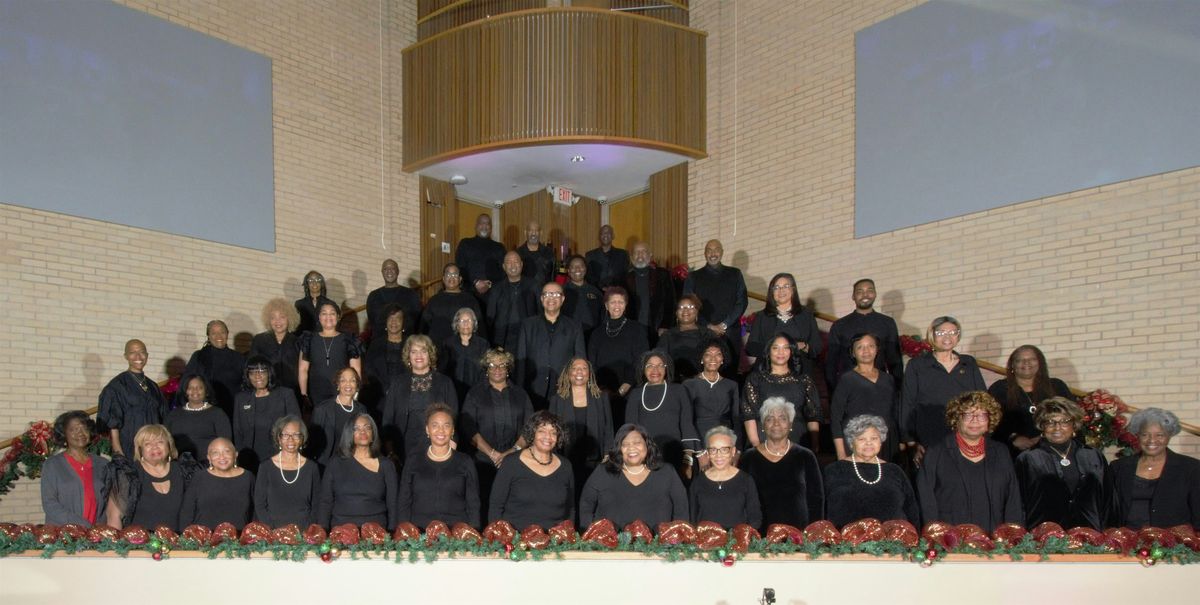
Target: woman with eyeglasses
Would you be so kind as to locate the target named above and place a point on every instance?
(492, 416)
(663, 410)
(256, 409)
(633, 484)
(359, 484)
(309, 305)
(683, 341)
(930, 381)
(966, 477)
(1026, 384)
(1158, 487)
(462, 351)
(722, 493)
(863, 485)
(784, 314)
(1062, 480)
(288, 485)
(437, 320)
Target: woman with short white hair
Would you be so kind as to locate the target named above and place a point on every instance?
(862, 485)
(787, 474)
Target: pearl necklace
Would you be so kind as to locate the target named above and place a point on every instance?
(660, 400)
(878, 465)
(626, 469)
(711, 383)
(188, 408)
(434, 457)
(344, 409)
(773, 452)
(279, 458)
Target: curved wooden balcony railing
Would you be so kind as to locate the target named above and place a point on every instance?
(991, 367)
(554, 75)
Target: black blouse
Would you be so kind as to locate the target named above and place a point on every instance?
(855, 396)
(439, 312)
(445, 491)
(684, 349)
(223, 369)
(791, 490)
(523, 497)
(1018, 415)
(403, 422)
(328, 420)
(253, 418)
(309, 322)
(590, 429)
(211, 500)
(495, 415)
(351, 493)
(955, 490)
(801, 326)
(284, 356)
(797, 389)
(1174, 497)
(152, 508)
(666, 414)
(849, 498)
(194, 430)
(659, 498)
(730, 503)
(326, 356)
(462, 363)
(926, 391)
(614, 349)
(128, 403)
(282, 497)
(716, 404)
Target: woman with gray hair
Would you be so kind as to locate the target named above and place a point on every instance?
(1159, 487)
(722, 493)
(1061, 479)
(861, 485)
(786, 474)
(462, 352)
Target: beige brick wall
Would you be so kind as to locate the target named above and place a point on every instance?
(77, 289)
(1105, 280)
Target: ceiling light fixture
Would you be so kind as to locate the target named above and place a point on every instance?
(577, 158)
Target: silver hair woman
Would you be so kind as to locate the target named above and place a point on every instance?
(1159, 487)
(723, 493)
(861, 485)
(786, 474)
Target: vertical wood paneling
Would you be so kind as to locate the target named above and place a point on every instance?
(439, 223)
(668, 215)
(585, 226)
(629, 220)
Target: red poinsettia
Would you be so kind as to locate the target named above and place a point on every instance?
(914, 346)
(1104, 422)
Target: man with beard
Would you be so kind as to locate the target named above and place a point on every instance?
(863, 320)
(606, 265)
(722, 289)
(651, 293)
(546, 343)
(511, 301)
(479, 257)
(537, 257)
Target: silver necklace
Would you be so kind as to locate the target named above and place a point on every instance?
(283, 476)
(711, 383)
(1065, 459)
(140, 380)
(660, 400)
(328, 344)
(879, 466)
(613, 333)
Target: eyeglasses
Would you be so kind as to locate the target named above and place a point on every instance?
(940, 333)
(257, 371)
(314, 280)
(494, 366)
(289, 436)
(781, 287)
(687, 307)
(1053, 422)
(656, 366)
(450, 275)
(552, 295)
(362, 429)
(976, 416)
(720, 451)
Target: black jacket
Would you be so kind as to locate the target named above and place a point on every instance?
(942, 487)
(1176, 498)
(1046, 495)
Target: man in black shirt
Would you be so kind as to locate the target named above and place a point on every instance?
(511, 301)
(392, 293)
(651, 294)
(536, 255)
(606, 265)
(863, 320)
(722, 290)
(478, 258)
(546, 343)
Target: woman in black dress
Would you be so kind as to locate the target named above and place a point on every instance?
(410, 394)
(461, 352)
(864, 390)
(862, 485)
(130, 401)
(278, 344)
(683, 341)
(359, 485)
(149, 490)
(73, 486)
(535, 487)
(256, 409)
(932, 380)
(309, 307)
(585, 411)
(1025, 385)
(783, 314)
(787, 474)
(722, 493)
(323, 354)
(221, 366)
(633, 485)
(715, 399)
(288, 485)
(438, 316)
(441, 484)
(664, 410)
(966, 477)
(1062, 480)
(223, 493)
(196, 422)
(583, 301)
(330, 418)
(614, 348)
(492, 416)
(384, 359)
(778, 373)
(1158, 487)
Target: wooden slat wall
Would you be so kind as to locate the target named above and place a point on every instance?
(563, 227)
(585, 226)
(439, 222)
(554, 75)
(668, 215)
(454, 14)
(677, 12)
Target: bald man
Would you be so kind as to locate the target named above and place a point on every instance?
(606, 265)
(510, 302)
(546, 343)
(479, 258)
(722, 290)
(536, 255)
(392, 293)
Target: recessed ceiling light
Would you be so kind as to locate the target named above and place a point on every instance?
(577, 158)
(458, 179)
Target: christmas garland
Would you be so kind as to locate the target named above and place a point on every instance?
(31, 449)
(674, 541)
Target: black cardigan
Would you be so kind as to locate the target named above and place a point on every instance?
(941, 486)
(1176, 498)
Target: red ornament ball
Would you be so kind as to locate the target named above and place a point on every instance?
(728, 561)
(508, 548)
(157, 556)
(931, 554)
(327, 557)
(1144, 552)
